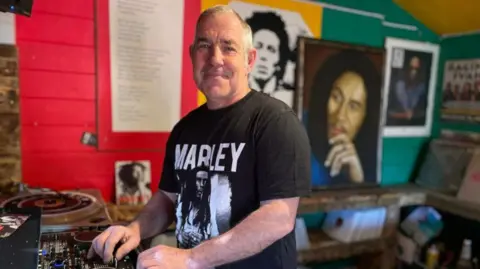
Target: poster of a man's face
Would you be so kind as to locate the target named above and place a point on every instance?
(275, 32)
(409, 87)
(132, 182)
(339, 104)
(271, 41)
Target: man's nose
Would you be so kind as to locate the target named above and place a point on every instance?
(216, 56)
(342, 112)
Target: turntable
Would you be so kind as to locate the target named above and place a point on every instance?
(64, 210)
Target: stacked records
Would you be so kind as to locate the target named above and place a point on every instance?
(445, 165)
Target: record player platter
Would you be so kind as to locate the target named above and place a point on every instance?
(59, 208)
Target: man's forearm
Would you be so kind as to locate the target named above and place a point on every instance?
(258, 231)
(155, 217)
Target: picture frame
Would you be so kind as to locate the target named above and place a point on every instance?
(409, 87)
(276, 26)
(461, 91)
(331, 75)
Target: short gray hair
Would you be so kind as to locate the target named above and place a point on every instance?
(247, 31)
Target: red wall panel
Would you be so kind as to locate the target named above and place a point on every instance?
(53, 139)
(71, 8)
(54, 57)
(58, 98)
(60, 30)
(53, 84)
(58, 112)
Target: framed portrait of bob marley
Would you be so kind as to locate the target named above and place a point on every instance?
(339, 96)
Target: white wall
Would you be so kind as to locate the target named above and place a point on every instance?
(7, 28)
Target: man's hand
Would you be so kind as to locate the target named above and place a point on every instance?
(343, 152)
(104, 244)
(164, 257)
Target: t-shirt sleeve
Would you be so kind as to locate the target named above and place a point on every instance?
(283, 158)
(168, 181)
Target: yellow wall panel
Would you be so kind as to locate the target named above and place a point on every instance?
(445, 16)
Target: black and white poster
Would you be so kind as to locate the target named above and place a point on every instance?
(132, 182)
(275, 33)
(409, 85)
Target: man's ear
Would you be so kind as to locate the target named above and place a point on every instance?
(190, 50)
(251, 58)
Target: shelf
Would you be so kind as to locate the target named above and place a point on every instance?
(323, 248)
(327, 200)
(453, 205)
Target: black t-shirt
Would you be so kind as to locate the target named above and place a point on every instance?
(223, 163)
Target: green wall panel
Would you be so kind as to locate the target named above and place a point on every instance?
(351, 28)
(399, 154)
(462, 47)
(376, 6)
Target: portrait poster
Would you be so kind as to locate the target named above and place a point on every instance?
(461, 90)
(409, 87)
(132, 182)
(276, 26)
(339, 92)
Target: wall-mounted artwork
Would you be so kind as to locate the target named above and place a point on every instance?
(132, 182)
(339, 92)
(276, 26)
(461, 90)
(410, 78)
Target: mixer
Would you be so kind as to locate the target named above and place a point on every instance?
(68, 250)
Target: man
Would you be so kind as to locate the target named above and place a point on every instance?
(410, 90)
(133, 187)
(270, 39)
(254, 153)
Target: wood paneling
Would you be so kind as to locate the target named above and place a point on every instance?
(10, 153)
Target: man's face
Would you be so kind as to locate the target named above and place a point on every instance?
(268, 50)
(200, 182)
(414, 66)
(220, 62)
(138, 172)
(346, 105)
